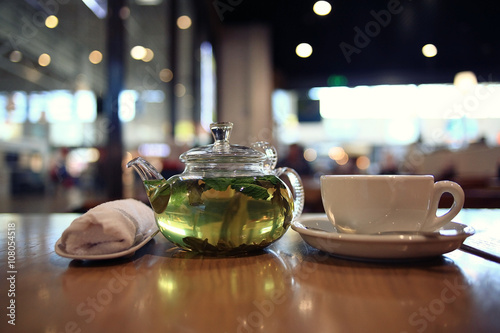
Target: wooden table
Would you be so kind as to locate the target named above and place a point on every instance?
(291, 287)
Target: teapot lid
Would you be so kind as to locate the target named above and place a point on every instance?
(221, 151)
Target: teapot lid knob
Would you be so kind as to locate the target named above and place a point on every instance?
(221, 132)
(222, 151)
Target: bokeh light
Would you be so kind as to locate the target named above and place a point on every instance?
(44, 60)
(179, 90)
(322, 8)
(51, 21)
(166, 75)
(184, 22)
(465, 81)
(95, 57)
(124, 13)
(363, 162)
(343, 160)
(304, 50)
(310, 155)
(429, 50)
(336, 153)
(149, 55)
(15, 56)
(339, 155)
(138, 52)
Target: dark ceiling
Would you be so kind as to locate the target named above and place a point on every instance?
(466, 34)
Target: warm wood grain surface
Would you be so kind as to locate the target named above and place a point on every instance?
(290, 287)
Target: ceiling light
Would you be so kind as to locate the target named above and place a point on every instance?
(184, 22)
(465, 81)
(95, 57)
(51, 21)
(15, 56)
(322, 8)
(44, 60)
(166, 75)
(429, 50)
(179, 90)
(149, 55)
(138, 52)
(303, 50)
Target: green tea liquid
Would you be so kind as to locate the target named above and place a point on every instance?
(221, 215)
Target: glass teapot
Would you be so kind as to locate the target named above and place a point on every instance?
(228, 200)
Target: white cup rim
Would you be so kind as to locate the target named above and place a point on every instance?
(376, 176)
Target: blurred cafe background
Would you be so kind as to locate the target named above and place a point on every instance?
(338, 86)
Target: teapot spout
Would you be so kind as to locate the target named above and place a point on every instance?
(158, 190)
(145, 170)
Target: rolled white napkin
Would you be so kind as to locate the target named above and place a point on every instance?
(110, 227)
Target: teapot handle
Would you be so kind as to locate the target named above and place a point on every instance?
(298, 189)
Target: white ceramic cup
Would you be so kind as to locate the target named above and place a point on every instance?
(371, 204)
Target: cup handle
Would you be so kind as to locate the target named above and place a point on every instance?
(433, 221)
(298, 189)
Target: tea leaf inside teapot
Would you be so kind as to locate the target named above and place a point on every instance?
(245, 185)
(159, 191)
(252, 190)
(218, 184)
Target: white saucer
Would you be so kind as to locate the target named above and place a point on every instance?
(320, 233)
(136, 246)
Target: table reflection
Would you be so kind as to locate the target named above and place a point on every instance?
(187, 292)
